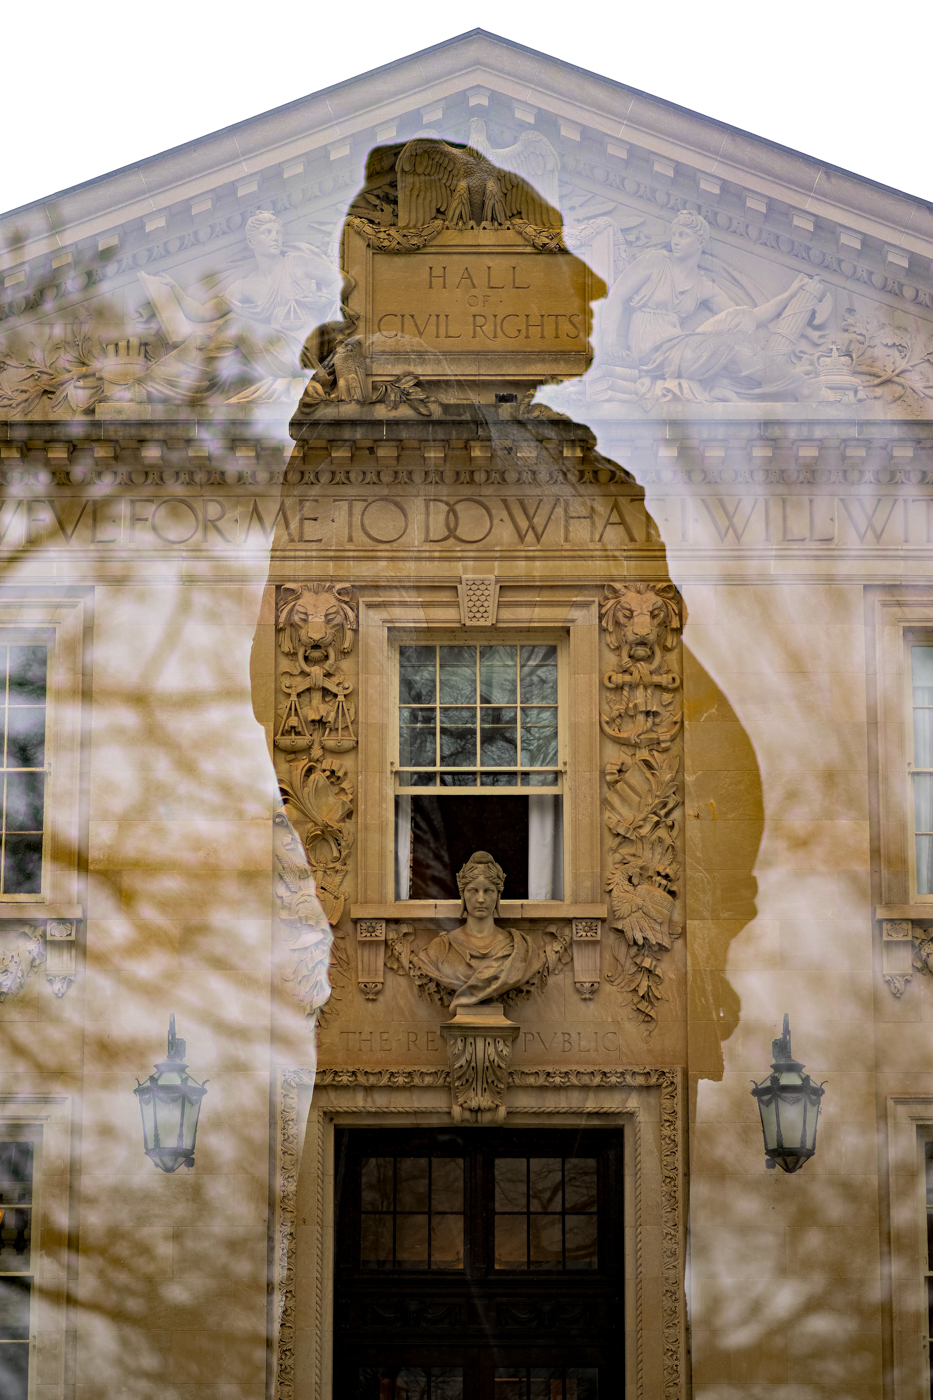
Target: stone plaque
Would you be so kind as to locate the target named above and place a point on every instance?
(474, 298)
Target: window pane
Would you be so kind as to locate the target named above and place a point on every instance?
(458, 738)
(547, 780)
(16, 1173)
(25, 793)
(539, 737)
(545, 1242)
(457, 675)
(580, 1183)
(446, 1241)
(14, 1309)
(411, 1183)
(511, 1183)
(14, 1370)
(15, 1239)
(411, 1241)
(923, 738)
(580, 1241)
(511, 1241)
(417, 743)
(925, 864)
(27, 675)
(539, 675)
(494, 779)
(376, 1241)
(582, 1384)
(498, 737)
(923, 801)
(25, 736)
(416, 675)
(376, 1183)
(22, 865)
(498, 675)
(465, 779)
(447, 1183)
(545, 1184)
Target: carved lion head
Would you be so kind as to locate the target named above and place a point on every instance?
(315, 620)
(641, 618)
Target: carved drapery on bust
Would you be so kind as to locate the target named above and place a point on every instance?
(643, 801)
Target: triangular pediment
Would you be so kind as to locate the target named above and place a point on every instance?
(629, 163)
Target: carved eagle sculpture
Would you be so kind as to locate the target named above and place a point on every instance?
(464, 185)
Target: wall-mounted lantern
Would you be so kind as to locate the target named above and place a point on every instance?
(789, 1104)
(170, 1102)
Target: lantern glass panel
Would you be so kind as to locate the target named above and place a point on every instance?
(767, 1107)
(791, 1114)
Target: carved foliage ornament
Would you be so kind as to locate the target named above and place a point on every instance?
(643, 717)
(314, 727)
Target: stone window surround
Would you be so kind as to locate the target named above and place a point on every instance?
(648, 1102)
(898, 617)
(910, 1126)
(64, 614)
(47, 1121)
(390, 614)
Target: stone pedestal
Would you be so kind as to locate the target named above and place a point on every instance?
(479, 1051)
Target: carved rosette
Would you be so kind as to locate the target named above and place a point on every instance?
(479, 1053)
(642, 717)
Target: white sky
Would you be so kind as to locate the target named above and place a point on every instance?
(87, 89)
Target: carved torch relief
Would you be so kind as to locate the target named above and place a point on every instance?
(315, 728)
(642, 716)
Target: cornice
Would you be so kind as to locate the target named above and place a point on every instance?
(602, 107)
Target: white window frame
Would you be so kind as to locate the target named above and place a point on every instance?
(492, 637)
(389, 614)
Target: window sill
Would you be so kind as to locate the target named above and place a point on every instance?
(23, 909)
(450, 909)
(921, 912)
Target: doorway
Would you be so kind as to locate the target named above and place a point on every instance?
(478, 1264)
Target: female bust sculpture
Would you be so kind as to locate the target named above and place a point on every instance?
(478, 960)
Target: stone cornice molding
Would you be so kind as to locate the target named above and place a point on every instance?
(357, 106)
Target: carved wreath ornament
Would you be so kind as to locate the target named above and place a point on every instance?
(642, 716)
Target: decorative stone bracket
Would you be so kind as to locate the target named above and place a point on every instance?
(479, 1052)
(906, 947)
(19, 962)
(586, 951)
(370, 956)
(60, 955)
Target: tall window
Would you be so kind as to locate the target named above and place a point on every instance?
(23, 675)
(16, 1266)
(478, 767)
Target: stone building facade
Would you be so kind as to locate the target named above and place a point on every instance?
(478, 458)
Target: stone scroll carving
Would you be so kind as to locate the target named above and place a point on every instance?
(642, 716)
(24, 951)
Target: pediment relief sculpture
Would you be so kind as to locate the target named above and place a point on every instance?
(479, 967)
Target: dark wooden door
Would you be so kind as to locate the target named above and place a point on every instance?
(478, 1264)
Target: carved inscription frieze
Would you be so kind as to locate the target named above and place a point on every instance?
(642, 717)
